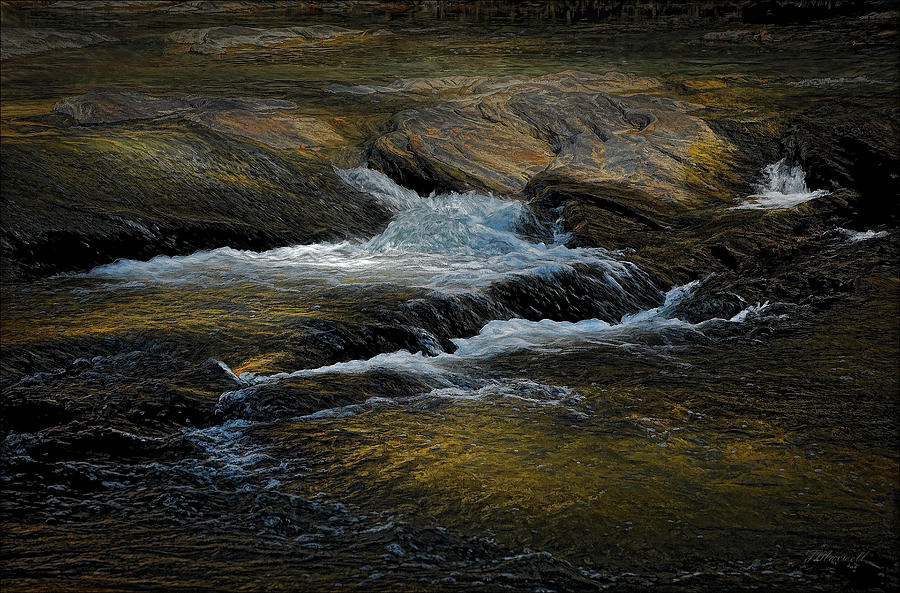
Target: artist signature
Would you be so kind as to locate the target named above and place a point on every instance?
(851, 561)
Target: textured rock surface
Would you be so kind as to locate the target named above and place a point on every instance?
(103, 106)
(143, 188)
(614, 82)
(219, 6)
(217, 40)
(569, 124)
(19, 41)
(241, 116)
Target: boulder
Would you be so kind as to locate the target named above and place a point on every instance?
(18, 41)
(567, 124)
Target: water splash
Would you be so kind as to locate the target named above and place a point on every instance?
(783, 186)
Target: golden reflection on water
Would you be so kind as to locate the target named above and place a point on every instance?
(590, 487)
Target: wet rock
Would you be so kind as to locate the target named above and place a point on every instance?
(216, 40)
(203, 104)
(265, 199)
(601, 214)
(18, 41)
(278, 132)
(329, 394)
(582, 293)
(702, 306)
(318, 342)
(566, 123)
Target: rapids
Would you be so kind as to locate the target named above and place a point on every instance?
(449, 242)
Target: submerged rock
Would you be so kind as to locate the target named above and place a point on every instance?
(215, 40)
(739, 36)
(17, 41)
(102, 106)
(567, 123)
(334, 395)
(702, 305)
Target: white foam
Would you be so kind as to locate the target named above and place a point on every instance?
(783, 186)
(450, 373)
(751, 311)
(448, 241)
(524, 391)
(497, 338)
(856, 236)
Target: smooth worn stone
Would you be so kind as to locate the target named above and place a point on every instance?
(569, 124)
(18, 41)
(216, 40)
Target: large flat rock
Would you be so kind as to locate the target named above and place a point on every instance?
(501, 134)
(257, 119)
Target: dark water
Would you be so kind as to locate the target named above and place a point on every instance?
(466, 401)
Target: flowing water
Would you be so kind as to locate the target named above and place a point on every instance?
(467, 400)
(517, 454)
(447, 242)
